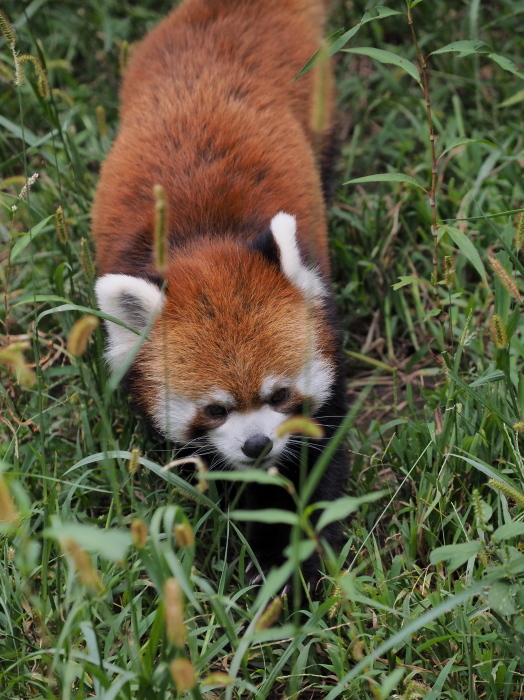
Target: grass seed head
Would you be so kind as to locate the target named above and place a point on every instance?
(518, 427)
(174, 612)
(183, 674)
(25, 189)
(449, 271)
(505, 278)
(124, 51)
(508, 491)
(184, 535)
(220, 679)
(86, 572)
(498, 332)
(8, 511)
(519, 233)
(139, 533)
(134, 464)
(12, 357)
(479, 511)
(270, 615)
(415, 691)
(80, 334)
(7, 31)
(300, 426)
(101, 121)
(60, 225)
(160, 228)
(86, 260)
(41, 76)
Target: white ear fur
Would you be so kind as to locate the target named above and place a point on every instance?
(283, 227)
(129, 299)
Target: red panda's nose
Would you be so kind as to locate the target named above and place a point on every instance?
(256, 445)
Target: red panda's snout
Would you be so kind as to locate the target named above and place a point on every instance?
(236, 344)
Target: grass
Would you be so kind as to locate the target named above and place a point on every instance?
(426, 599)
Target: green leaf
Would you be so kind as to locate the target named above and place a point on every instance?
(465, 246)
(460, 141)
(472, 47)
(496, 376)
(110, 544)
(342, 507)
(407, 279)
(256, 476)
(500, 598)
(390, 683)
(389, 58)
(506, 532)
(386, 177)
(467, 47)
(339, 39)
(432, 314)
(164, 474)
(513, 100)
(406, 632)
(23, 134)
(85, 309)
(455, 554)
(24, 240)
(487, 469)
(267, 515)
(506, 65)
(436, 691)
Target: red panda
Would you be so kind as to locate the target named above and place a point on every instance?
(244, 333)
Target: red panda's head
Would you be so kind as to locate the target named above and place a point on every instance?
(237, 342)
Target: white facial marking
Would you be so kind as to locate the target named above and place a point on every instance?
(271, 383)
(233, 433)
(283, 227)
(172, 415)
(224, 398)
(316, 380)
(129, 299)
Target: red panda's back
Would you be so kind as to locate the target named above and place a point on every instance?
(209, 111)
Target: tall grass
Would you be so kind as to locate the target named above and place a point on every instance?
(426, 597)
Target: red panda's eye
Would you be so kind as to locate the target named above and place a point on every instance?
(279, 396)
(215, 410)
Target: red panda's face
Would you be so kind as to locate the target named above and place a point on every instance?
(236, 348)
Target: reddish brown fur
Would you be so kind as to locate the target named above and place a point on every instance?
(209, 111)
(228, 334)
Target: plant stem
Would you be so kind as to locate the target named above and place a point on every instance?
(433, 188)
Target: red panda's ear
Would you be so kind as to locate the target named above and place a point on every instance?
(284, 227)
(132, 300)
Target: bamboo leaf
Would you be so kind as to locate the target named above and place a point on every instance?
(460, 141)
(473, 47)
(336, 41)
(407, 279)
(389, 58)
(386, 177)
(466, 47)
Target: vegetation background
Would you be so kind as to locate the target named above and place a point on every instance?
(99, 567)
